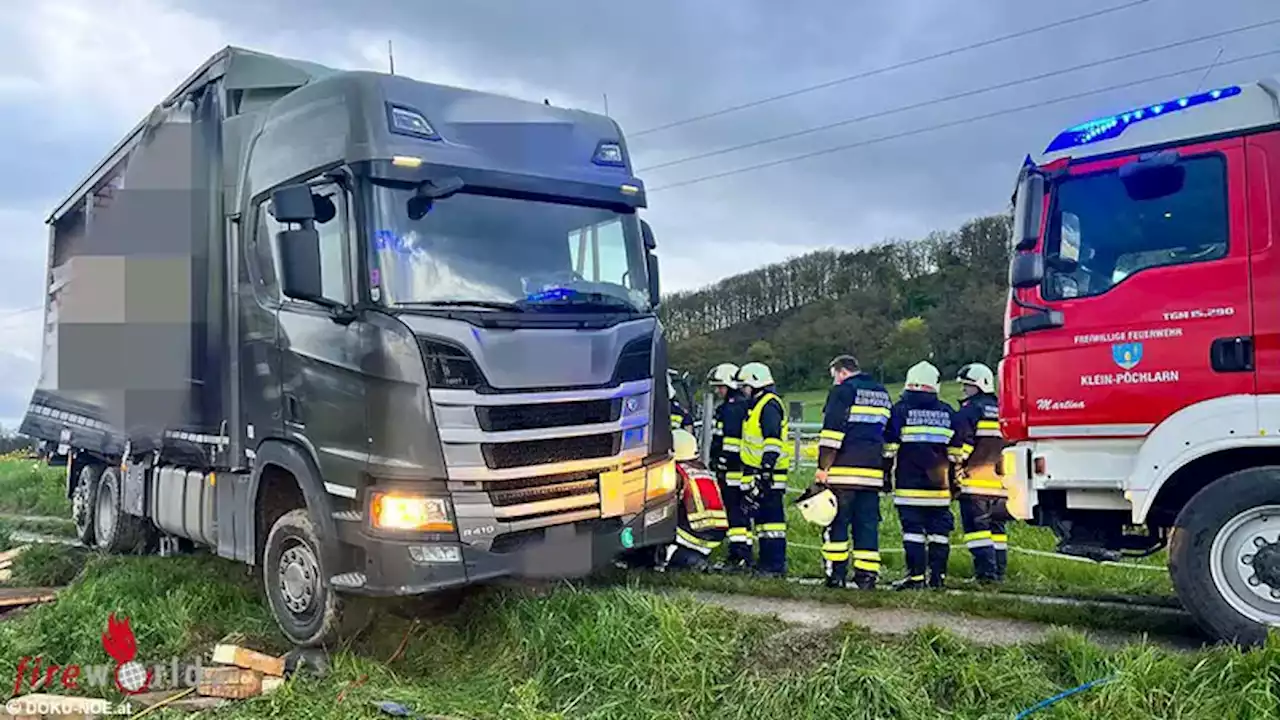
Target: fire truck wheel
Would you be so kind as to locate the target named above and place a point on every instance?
(114, 530)
(1224, 555)
(307, 610)
(82, 497)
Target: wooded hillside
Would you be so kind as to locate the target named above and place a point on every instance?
(941, 297)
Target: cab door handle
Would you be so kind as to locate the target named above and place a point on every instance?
(1232, 354)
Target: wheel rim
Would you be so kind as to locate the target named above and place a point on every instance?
(1245, 564)
(105, 516)
(298, 578)
(80, 506)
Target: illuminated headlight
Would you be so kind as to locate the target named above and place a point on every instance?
(661, 480)
(610, 154)
(407, 121)
(393, 511)
(435, 554)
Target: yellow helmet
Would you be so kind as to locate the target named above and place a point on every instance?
(684, 445)
(818, 505)
(923, 376)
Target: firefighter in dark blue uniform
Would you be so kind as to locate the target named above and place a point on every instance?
(680, 417)
(850, 463)
(916, 442)
(766, 462)
(726, 461)
(976, 450)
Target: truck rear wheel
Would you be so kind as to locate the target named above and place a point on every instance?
(115, 530)
(307, 610)
(1224, 556)
(83, 496)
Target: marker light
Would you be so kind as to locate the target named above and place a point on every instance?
(608, 153)
(1110, 127)
(391, 511)
(407, 121)
(406, 161)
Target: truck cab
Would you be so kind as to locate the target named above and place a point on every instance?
(423, 350)
(1140, 383)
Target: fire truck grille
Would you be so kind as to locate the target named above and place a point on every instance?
(554, 487)
(499, 456)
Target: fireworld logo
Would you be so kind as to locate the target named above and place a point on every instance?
(129, 675)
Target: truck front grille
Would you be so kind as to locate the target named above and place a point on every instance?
(499, 456)
(500, 418)
(551, 487)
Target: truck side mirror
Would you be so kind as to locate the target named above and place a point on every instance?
(655, 288)
(293, 204)
(1026, 270)
(1027, 211)
(646, 232)
(300, 277)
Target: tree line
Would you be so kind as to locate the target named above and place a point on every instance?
(941, 297)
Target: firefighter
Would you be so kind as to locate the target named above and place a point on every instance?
(701, 520)
(917, 438)
(976, 449)
(850, 462)
(766, 462)
(680, 418)
(726, 461)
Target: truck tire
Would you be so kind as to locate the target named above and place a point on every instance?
(307, 610)
(83, 495)
(1224, 555)
(115, 531)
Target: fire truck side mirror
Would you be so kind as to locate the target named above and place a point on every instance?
(1027, 211)
(1026, 270)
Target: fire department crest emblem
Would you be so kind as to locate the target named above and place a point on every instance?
(1127, 355)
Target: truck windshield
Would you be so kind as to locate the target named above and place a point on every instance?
(1104, 230)
(507, 253)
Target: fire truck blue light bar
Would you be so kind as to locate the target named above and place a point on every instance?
(1110, 127)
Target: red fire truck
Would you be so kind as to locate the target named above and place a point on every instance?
(1141, 372)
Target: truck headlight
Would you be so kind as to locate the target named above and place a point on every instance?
(394, 511)
(661, 480)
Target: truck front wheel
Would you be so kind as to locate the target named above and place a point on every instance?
(115, 530)
(307, 610)
(1224, 555)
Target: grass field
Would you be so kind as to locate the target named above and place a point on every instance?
(617, 649)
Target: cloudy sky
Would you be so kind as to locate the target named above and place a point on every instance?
(76, 74)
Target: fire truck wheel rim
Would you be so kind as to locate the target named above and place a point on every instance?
(298, 577)
(1245, 563)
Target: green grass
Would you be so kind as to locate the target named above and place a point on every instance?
(29, 487)
(626, 653)
(814, 399)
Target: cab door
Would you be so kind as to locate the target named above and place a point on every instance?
(1151, 274)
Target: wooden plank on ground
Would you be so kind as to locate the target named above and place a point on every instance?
(250, 659)
(8, 556)
(17, 596)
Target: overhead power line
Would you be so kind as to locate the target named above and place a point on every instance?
(956, 96)
(954, 123)
(888, 68)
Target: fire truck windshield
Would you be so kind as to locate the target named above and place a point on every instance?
(506, 253)
(1106, 227)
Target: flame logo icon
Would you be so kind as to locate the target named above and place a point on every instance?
(131, 676)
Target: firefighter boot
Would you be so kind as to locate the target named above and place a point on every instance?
(911, 582)
(864, 580)
(939, 553)
(1002, 562)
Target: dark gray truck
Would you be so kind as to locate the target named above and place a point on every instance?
(372, 335)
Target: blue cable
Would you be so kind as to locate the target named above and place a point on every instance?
(1064, 694)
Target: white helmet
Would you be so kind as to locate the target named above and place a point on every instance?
(724, 374)
(684, 445)
(755, 375)
(979, 376)
(923, 376)
(818, 505)
(671, 389)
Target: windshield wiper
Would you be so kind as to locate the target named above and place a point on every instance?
(487, 304)
(595, 300)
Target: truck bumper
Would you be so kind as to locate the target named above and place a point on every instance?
(394, 568)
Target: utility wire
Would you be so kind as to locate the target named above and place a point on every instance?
(888, 68)
(953, 123)
(967, 93)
